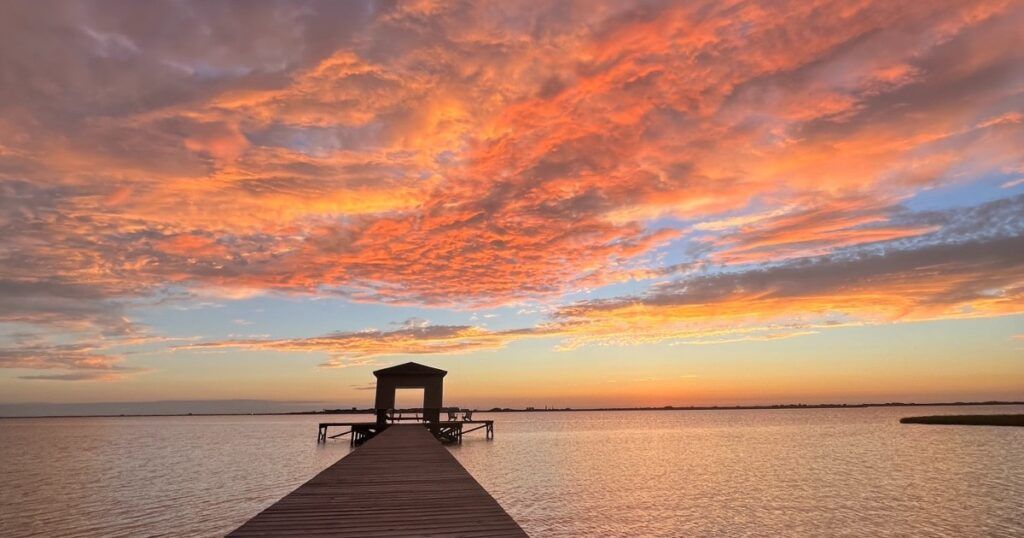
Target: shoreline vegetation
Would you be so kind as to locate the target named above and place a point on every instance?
(370, 411)
(967, 420)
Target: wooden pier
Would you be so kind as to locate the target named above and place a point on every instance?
(402, 482)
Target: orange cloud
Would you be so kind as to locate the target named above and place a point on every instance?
(828, 226)
(361, 347)
(783, 300)
(937, 281)
(433, 154)
(72, 362)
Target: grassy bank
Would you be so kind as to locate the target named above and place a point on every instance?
(968, 420)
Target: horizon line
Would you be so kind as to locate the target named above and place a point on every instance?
(369, 410)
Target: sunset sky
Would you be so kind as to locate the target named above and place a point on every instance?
(560, 203)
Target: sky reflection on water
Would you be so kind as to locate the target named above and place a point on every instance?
(651, 473)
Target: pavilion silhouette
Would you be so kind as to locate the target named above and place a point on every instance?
(411, 375)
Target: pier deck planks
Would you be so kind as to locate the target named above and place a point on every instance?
(402, 482)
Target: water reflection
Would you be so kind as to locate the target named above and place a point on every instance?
(785, 472)
(151, 475)
(658, 473)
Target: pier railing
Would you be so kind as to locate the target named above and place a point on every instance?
(447, 431)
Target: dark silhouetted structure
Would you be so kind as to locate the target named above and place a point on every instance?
(410, 376)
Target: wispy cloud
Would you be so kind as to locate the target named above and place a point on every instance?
(348, 348)
(75, 362)
(944, 281)
(924, 278)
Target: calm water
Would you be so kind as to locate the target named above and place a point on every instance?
(854, 472)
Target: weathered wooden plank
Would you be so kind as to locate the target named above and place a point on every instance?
(402, 482)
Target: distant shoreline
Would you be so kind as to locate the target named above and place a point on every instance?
(369, 411)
